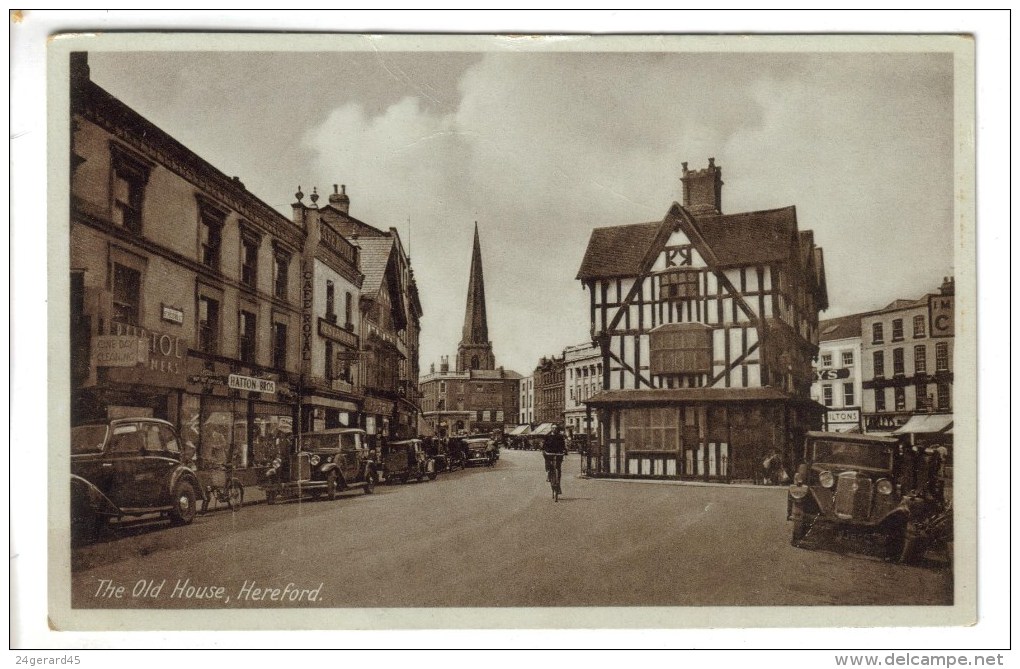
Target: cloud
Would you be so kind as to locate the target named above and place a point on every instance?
(541, 148)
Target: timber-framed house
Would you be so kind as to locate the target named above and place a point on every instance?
(707, 325)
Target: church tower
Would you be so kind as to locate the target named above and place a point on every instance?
(475, 349)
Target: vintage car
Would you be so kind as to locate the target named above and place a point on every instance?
(326, 462)
(479, 450)
(129, 467)
(406, 460)
(871, 484)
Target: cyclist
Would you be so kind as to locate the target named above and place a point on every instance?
(553, 450)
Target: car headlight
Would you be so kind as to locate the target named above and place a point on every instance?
(314, 460)
(798, 492)
(827, 479)
(884, 486)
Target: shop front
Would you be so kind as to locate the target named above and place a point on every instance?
(741, 435)
(244, 417)
(380, 419)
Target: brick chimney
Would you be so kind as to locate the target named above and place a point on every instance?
(948, 286)
(703, 189)
(339, 198)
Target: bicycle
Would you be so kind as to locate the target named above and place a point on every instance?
(555, 473)
(221, 485)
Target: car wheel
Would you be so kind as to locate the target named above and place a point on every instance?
(911, 546)
(85, 528)
(800, 527)
(235, 495)
(331, 485)
(183, 510)
(370, 483)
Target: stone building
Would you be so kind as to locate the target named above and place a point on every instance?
(707, 324)
(907, 362)
(583, 365)
(838, 375)
(476, 396)
(549, 378)
(185, 295)
(389, 322)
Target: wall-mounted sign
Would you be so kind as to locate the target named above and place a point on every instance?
(162, 364)
(172, 314)
(941, 315)
(832, 374)
(834, 416)
(337, 334)
(119, 351)
(307, 276)
(251, 384)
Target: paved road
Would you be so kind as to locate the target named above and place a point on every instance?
(494, 537)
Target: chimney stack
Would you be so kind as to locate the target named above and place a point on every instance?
(339, 198)
(948, 286)
(703, 189)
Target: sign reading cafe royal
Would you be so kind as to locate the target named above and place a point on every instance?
(130, 354)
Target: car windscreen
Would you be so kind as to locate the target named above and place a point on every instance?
(314, 442)
(853, 454)
(87, 438)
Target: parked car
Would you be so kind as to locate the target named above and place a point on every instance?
(871, 484)
(129, 467)
(406, 460)
(326, 462)
(480, 450)
(437, 450)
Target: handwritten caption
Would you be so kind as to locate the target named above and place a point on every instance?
(250, 591)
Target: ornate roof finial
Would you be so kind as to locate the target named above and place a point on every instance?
(315, 195)
(299, 195)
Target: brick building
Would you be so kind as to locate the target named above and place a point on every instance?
(549, 390)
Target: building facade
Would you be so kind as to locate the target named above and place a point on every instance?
(838, 378)
(389, 322)
(583, 366)
(476, 396)
(526, 400)
(549, 390)
(185, 297)
(907, 356)
(707, 325)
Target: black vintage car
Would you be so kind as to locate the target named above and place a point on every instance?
(480, 450)
(129, 467)
(871, 484)
(406, 460)
(326, 462)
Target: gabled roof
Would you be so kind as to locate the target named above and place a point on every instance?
(748, 238)
(617, 251)
(375, 256)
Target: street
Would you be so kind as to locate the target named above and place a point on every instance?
(488, 537)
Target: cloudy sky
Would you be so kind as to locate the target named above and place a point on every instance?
(539, 148)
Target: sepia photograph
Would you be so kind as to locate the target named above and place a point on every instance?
(420, 331)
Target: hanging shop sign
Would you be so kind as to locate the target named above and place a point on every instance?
(251, 384)
(307, 276)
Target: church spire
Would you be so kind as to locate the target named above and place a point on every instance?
(475, 349)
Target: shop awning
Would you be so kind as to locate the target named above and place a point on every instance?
(927, 424)
(543, 429)
(520, 430)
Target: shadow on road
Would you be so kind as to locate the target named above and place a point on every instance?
(576, 499)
